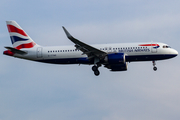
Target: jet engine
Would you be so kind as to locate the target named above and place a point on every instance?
(116, 62)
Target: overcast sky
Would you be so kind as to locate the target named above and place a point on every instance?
(37, 91)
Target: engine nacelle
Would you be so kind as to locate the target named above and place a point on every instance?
(117, 67)
(115, 58)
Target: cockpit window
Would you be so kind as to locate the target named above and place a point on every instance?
(166, 46)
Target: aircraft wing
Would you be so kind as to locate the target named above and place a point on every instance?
(90, 51)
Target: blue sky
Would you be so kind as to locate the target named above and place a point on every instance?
(36, 91)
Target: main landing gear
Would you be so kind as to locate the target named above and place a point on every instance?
(97, 64)
(154, 64)
(95, 69)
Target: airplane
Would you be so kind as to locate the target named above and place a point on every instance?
(112, 56)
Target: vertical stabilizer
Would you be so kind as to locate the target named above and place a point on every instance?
(19, 38)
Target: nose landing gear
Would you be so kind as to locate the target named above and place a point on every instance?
(154, 64)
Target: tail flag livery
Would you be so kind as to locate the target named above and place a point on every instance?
(18, 36)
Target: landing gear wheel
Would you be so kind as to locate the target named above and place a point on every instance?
(96, 72)
(154, 68)
(94, 68)
(154, 64)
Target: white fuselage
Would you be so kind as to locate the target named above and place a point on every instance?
(69, 54)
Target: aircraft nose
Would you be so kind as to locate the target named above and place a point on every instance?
(175, 52)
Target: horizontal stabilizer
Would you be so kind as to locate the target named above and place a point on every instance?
(16, 51)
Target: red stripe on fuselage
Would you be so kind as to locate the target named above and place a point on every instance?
(12, 28)
(27, 45)
(149, 45)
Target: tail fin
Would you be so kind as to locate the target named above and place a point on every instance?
(18, 36)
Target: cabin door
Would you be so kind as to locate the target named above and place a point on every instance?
(153, 47)
(39, 52)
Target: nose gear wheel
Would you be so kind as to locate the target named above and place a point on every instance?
(154, 64)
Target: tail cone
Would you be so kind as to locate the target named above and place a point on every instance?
(8, 52)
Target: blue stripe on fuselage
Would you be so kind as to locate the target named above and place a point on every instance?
(149, 57)
(86, 61)
(67, 61)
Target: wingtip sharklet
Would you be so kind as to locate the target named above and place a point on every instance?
(67, 33)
